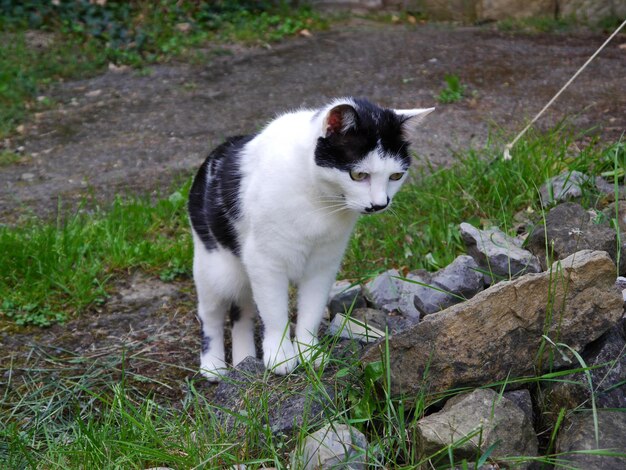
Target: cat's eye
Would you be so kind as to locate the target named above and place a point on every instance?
(396, 176)
(358, 175)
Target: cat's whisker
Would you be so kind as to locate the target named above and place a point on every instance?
(332, 208)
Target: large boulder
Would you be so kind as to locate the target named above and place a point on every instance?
(474, 422)
(497, 253)
(570, 228)
(578, 434)
(498, 333)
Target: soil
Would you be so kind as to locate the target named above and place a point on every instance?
(137, 131)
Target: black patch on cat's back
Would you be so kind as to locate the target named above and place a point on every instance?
(214, 204)
(373, 125)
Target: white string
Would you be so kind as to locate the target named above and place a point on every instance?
(509, 146)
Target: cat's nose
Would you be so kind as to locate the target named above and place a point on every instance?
(377, 207)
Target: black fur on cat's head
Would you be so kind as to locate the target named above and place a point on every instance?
(355, 127)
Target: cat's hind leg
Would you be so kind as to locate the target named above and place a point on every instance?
(242, 316)
(219, 279)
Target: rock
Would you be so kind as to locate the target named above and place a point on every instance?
(608, 353)
(27, 176)
(336, 446)
(394, 323)
(497, 333)
(344, 296)
(578, 434)
(390, 294)
(569, 228)
(458, 281)
(423, 293)
(483, 418)
(522, 399)
(352, 328)
(376, 320)
(497, 253)
(244, 390)
(567, 185)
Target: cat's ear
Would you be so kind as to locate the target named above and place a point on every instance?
(411, 118)
(339, 120)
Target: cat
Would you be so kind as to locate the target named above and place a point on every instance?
(279, 207)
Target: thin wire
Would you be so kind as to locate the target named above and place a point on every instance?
(509, 146)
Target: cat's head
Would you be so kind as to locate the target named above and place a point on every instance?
(363, 154)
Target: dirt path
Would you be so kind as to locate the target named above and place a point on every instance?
(133, 131)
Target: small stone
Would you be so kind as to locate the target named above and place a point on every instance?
(565, 186)
(384, 290)
(93, 93)
(353, 328)
(27, 176)
(458, 281)
(497, 253)
(344, 297)
(333, 446)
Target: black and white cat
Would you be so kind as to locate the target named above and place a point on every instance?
(278, 207)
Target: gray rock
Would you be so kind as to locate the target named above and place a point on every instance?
(522, 399)
(569, 228)
(244, 388)
(578, 434)
(389, 293)
(497, 253)
(608, 354)
(349, 327)
(497, 333)
(458, 281)
(376, 318)
(567, 185)
(335, 446)
(483, 418)
(344, 296)
(384, 290)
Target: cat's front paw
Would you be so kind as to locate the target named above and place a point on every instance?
(280, 357)
(212, 370)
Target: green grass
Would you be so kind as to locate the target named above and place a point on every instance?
(53, 270)
(453, 91)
